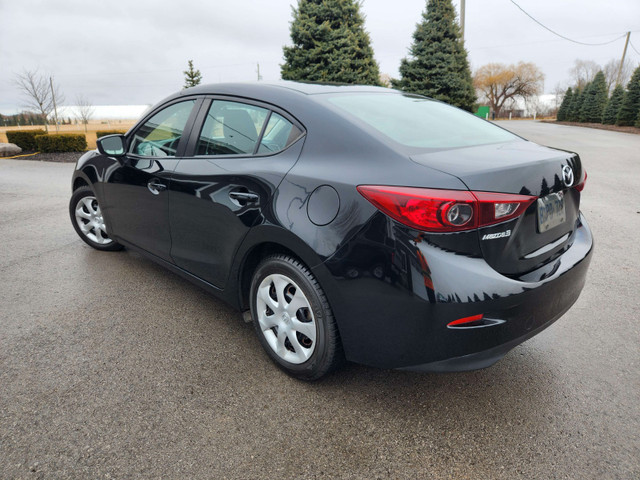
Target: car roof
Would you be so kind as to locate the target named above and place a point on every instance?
(277, 91)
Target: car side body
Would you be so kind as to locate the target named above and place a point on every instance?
(396, 292)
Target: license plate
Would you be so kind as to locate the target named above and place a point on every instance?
(551, 211)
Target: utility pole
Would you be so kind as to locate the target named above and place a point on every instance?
(462, 18)
(258, 70)
(624, 53)
(55, 107)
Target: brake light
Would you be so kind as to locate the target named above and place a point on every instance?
(436, 210)
(580, 186)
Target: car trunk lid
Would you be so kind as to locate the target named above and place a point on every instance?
(523, 168)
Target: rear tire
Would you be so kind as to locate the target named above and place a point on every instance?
(87, 220)
(293, 319)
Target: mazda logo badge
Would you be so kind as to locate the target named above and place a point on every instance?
(567, 175)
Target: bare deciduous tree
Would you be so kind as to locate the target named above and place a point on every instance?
(583, 72)
(532, 106)
(385, 80)
(610, 71)
(37, 88)
(84, 110)
(558, 91)
(499, 83)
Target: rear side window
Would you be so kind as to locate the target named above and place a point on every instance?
(159, 136)
(420, 122)
(231, 128)
(279, 134)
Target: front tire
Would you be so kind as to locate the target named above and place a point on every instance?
(88, 222)
(293, 319)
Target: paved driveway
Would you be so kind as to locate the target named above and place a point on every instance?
(111, 367)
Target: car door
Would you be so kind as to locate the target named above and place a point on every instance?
(237, 158)
(136, 187)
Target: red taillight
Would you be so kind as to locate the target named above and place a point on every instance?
(580, 186)
(437, 210)
(420, 208)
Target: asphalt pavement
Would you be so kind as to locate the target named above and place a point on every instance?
(112, 367)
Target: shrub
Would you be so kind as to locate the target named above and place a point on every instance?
(25, 139)
(104, 133)
(63, 142)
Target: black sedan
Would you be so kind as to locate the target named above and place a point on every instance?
(355, 223)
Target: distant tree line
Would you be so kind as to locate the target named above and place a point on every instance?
(590, 102)
(30, 118)
(24, 118)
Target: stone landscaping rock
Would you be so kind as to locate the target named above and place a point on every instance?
(9, 149)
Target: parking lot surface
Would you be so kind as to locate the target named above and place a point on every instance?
(112, 367)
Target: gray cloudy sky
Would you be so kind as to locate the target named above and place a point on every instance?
(134, 52)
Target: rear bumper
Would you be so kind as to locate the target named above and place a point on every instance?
(396, 315)
(484, 358)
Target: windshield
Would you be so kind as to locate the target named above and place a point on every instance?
(419, 122)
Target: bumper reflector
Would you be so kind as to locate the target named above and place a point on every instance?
(462, 321)
(474, 321)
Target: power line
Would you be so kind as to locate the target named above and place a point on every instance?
(632, 46)
(562, 36)
(537, 42)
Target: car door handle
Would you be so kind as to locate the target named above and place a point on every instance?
(244, 197)
(156, 187)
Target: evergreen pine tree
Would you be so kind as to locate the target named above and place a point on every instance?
(564, 106)
(438, 65)
(584, 95)
(191, 77)
(576, 105)
(595, 99)
(613, 106)
(630, 107)
(330, 44)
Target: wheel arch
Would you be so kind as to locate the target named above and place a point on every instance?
(84, 177)
(79, 182)
(261, 242)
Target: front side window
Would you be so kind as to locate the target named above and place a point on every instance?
(160, 135)
(231, 128)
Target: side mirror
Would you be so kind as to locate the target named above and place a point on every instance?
(112, 145)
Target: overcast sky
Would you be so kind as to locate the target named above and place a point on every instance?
(134, 52)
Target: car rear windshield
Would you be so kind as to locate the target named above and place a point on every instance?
(419, 122)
